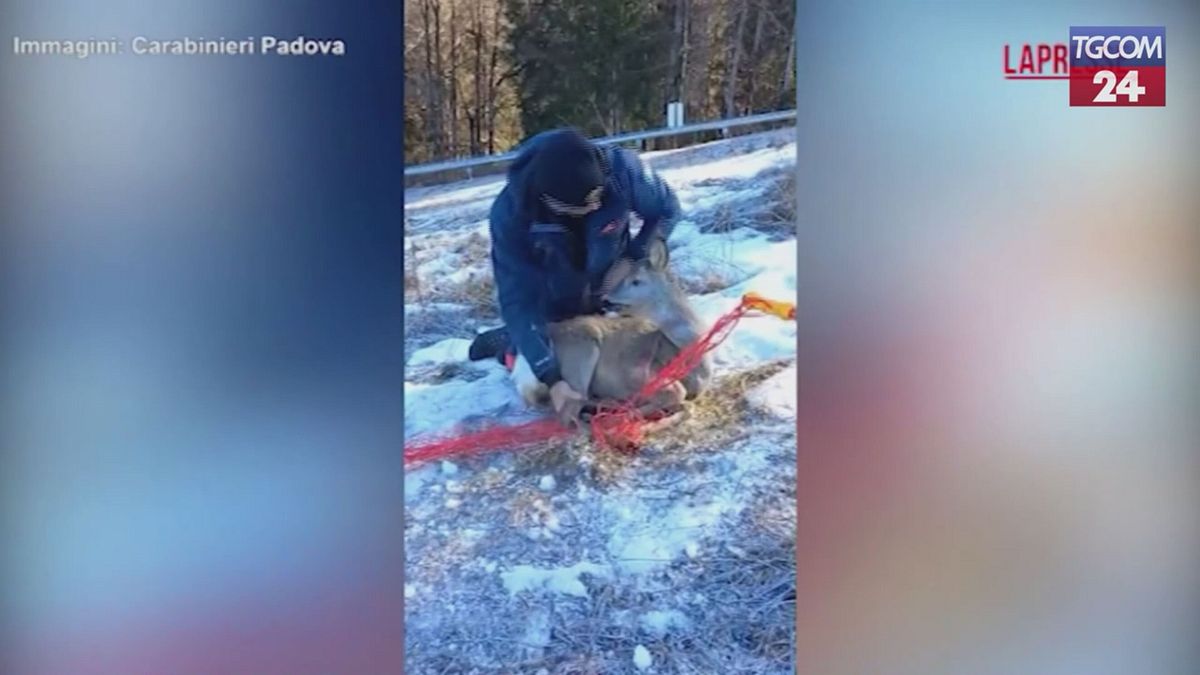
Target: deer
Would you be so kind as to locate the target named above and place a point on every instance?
(609, 359)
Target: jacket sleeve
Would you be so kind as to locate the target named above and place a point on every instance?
(651, 198)
(519, 283)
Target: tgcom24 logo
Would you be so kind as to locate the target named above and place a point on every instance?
(1105, 65)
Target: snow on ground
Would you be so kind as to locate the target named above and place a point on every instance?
(661, 622)
(565, 559)
(558, 580)
(465, 204)
(777, 395)
(649, 533)
(641, 657)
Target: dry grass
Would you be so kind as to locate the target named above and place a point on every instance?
(553, 456)
(470, 299)
(739, 610)
(781, 198)
(738, 601)
(725, 399)
(723, 218)
(753, 590)
(475, 248)
(710, 281)
(738, 605)
(477, 291)
(442, 372)
(413, 292)
(715, 419)
(773, 213)
(717, 416)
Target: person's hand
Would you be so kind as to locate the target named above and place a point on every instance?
(568, 403)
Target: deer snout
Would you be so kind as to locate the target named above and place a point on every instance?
(614, 299)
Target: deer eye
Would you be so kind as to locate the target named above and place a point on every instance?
(636, 282)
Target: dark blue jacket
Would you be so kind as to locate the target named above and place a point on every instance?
(549, 268)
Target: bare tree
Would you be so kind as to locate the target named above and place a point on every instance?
(465, 86)
(475, 114)
(756, 55)
(494, 80)
(789, 61)
(453, 79)
(735, 46)
(436, 77)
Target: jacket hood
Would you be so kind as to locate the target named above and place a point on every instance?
(560, 162)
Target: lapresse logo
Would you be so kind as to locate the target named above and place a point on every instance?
(1106, 65)
(1118, 65)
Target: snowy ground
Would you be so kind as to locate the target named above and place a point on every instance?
(566, 559)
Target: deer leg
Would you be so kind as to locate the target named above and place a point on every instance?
(665, 423)
(577, 362)
(696, 381)
(665, 409)
(669, 400)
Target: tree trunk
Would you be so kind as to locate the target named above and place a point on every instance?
(675, 87)
(756, 57)
(684, 50)
(432, 115)
(493, 87)
(477, 117)
(731, 75)
(439, 74)
(615, 115)
(452, 109)
(676, 64)
(789, 66)
(707, 92)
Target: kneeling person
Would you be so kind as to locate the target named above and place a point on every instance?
(558, 227)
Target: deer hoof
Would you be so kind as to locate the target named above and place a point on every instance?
(665, 419)
(571, 414)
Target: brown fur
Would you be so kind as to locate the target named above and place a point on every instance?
(611, 358)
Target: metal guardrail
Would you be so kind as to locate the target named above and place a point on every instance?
(471, 162)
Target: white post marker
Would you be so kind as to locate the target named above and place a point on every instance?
(674, 114)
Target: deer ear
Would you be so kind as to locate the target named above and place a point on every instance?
(656, 254)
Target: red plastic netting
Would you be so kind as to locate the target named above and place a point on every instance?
(616, 427)
(621, 427)
(494, 438)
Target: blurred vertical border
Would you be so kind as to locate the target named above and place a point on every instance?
(998, 326)
(202, 371)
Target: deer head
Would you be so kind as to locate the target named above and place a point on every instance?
(643, 283)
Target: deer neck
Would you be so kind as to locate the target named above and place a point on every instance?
(676, 320)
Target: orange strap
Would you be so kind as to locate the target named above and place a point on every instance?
(783, 310)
